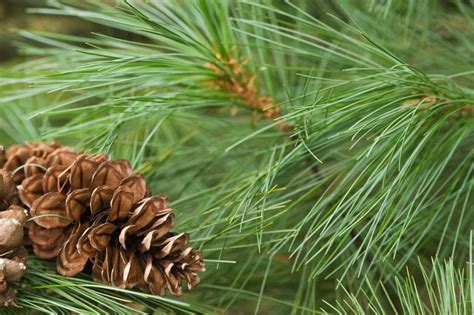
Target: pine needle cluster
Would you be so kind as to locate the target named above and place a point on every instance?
(343, 183)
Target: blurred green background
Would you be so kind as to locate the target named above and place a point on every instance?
(14, 16)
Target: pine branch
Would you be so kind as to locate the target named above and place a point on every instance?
(379, 98)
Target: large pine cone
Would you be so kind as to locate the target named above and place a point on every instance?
(12, 253)
(89, 209)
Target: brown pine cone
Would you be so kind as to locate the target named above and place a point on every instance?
(13, 255)
(90, 210)
(12, 269)
(8, 190)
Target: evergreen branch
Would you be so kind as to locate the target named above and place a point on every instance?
(377, 170)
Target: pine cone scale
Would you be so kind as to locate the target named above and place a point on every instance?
(101, 235)
(49, 211)
(77, 203)
(70, 260)
(120, 205)
(31, 189)
(13, 255)
(100, 199)
(82, 172)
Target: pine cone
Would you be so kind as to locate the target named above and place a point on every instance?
(12, 253)
(7, 190)
(93, 211)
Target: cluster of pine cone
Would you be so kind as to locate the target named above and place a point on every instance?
(12, 253)
(94, 214)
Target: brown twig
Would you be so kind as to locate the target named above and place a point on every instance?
(241, 85)
(428, 101)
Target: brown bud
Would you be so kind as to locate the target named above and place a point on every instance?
(12, 270)
(15, 212)
(8, 297)
(7, 189)
(11, 234)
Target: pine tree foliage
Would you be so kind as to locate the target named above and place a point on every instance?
(356, 198)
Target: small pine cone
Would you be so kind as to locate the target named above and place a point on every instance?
(8, 190)
(90, 210)
(13, 255)
(12, 269)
